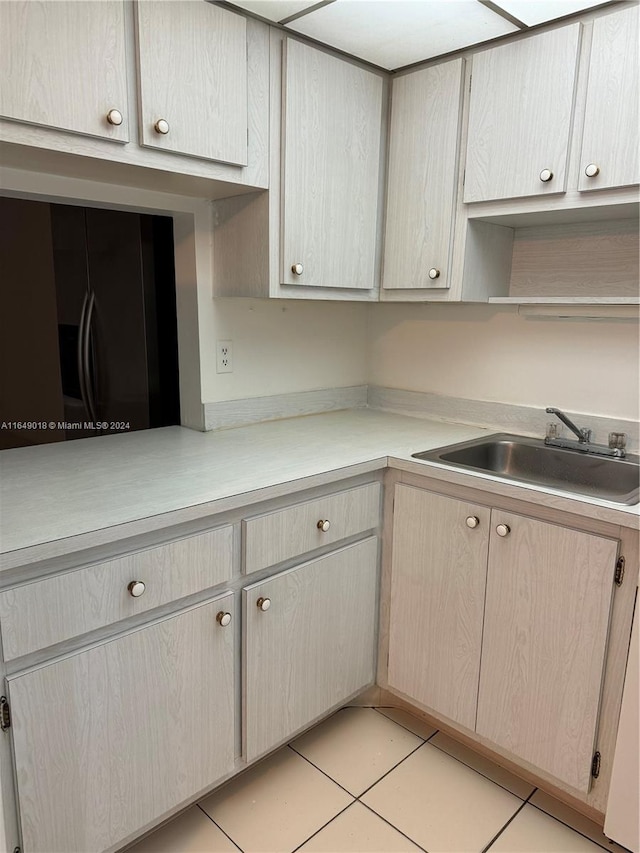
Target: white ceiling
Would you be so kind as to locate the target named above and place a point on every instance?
(394, 33)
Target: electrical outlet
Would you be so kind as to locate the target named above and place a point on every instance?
(224, 357)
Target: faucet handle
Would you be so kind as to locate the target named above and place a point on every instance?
(586, 434)
(554, 430)
(617, 440)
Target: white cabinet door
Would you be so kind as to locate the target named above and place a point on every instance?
(610, 140)
(439, 571)
(313, 647)
(521, 106)
(109, 739)
(62, 65)
(549, 593)
(331, 162)
(192, 59)
(422, 182)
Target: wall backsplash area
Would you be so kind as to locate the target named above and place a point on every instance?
(282, 347)
(481, 352)
(477, 352)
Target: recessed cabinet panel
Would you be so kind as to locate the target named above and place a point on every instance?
(522, 97)
(549, 592)
(309, 643)
(192, 60)
(63, 66)
(110, 739)
(423, 156)
(331, 162)
(439, 570)
(610, 145)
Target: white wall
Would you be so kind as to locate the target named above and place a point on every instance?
(281, 347)
(485, 353)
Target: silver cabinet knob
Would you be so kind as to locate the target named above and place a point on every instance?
(136, 588)
(263, 604)
(592, 170)
(434, 273)
(161, 126)
(503, 530)
(324, 524)
(546, 175)
(223, 618)
(297, 269)
(114, 117)
(472, 521)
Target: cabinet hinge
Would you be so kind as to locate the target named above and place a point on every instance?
(5, 714)
(470, 79)
(619, 574)
(595, 765)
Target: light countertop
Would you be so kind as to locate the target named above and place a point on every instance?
(53, 492)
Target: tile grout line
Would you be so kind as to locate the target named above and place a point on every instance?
(511, 819)
(393, 826)
(459, 760)
(320, 770)
(206, 814)
(324, 825)
(391, 769)
(484, 775)
(568, 825)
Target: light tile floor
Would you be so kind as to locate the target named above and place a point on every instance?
(377, 781)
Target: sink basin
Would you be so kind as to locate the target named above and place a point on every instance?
(530, 460)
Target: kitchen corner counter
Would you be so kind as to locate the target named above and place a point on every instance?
(64, 497)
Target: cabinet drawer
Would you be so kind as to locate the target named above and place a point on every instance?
(276, 536)
(48, 611)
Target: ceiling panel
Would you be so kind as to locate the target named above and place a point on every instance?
(531, 13)
(393, 33)
(274, 10)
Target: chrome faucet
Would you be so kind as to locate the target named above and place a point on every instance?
(584, 435)
(617, 441)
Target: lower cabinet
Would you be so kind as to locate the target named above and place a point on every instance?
(308, 643)
(109, 739)
(500, 623)
(439, 574)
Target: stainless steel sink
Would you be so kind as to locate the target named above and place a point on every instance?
(530, 460)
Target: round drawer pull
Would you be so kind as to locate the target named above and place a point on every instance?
(263, 604)
(136, 588)
(592, 170)
(434, 273)
(472, 521)
(114, 117)
(323, 524)
(503, 530)
(546, 175)
(161, 126)
(297, 269)
(223, 618)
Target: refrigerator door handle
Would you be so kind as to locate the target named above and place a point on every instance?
(86, 350)
(80, 355)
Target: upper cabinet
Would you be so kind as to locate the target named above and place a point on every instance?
(332, 113)
(63, 66)
(610, 147)
(522, 97)
(422, 178)
(192, 64)
(201, 108)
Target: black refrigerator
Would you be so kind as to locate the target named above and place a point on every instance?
(88, 332)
